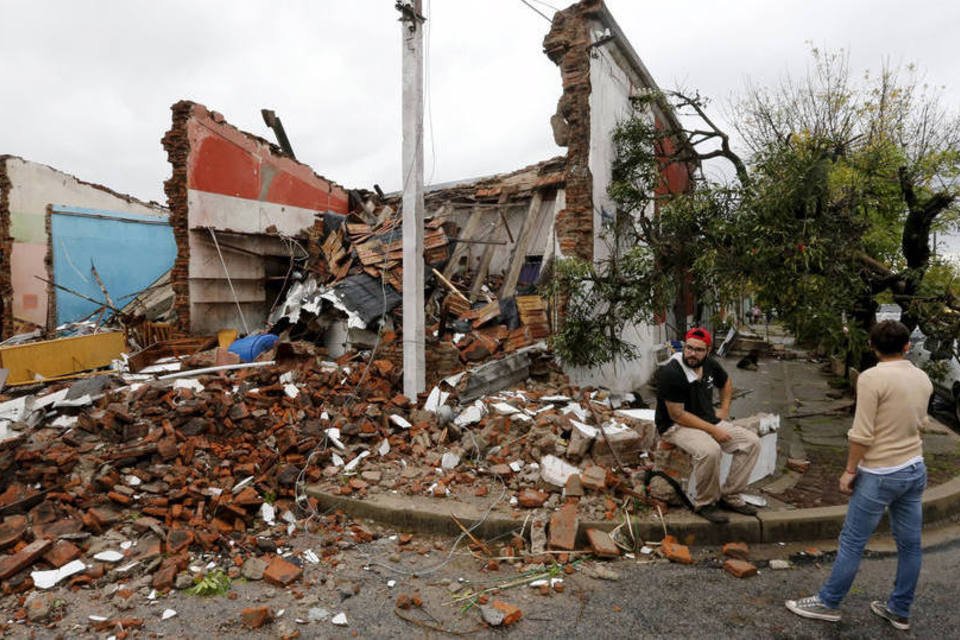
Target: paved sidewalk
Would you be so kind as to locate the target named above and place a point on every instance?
(814, 419)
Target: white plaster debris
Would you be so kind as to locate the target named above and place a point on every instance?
(391, 584)
(384, 447)
(64, 422)
(449, 460)
(353, 464)
(504, 409)
(472, 414)
(133, 481)
(268, 513)
(311, 557)
(336, 460)
(167, 614)
(400, 421)
(95, 618)
(291, 390)
(779, 565)
(516, 466)
(246, 482)
(455, 379)
(333, 435)
(188, 383)
(109, 556)
(575, 409)
(435, 400)
(646, 415)
(340, 619)
(287, 377)
(49, 579)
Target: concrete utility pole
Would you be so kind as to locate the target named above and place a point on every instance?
(414, 378)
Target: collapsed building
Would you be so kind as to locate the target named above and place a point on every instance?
(185, 450)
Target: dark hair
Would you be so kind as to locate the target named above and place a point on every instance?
(889, 337)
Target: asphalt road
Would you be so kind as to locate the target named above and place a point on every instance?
(673, 601)
(700, 602)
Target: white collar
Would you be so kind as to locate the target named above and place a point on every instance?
(690, 373)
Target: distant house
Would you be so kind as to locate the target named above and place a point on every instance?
(54, 229)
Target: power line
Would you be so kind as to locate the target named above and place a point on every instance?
(540, 13)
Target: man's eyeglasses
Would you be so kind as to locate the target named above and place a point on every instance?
(688, 347)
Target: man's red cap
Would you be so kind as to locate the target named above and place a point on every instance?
(699, 334)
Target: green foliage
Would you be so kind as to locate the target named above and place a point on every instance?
(215, 583)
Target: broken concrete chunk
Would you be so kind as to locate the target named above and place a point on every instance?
(555, 471)
(778, 564)
(594, 477)
(581, 439)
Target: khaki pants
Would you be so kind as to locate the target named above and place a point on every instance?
(744, 446)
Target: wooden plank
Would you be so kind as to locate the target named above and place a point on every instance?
(530, 222)
(65, 356)
(469, 230)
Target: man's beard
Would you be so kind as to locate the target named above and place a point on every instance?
(694, 362)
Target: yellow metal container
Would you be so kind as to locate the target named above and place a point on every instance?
(62, 357)
(226, 337)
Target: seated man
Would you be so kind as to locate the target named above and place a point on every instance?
(686, 418)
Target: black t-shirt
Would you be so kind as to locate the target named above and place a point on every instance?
(697, 397)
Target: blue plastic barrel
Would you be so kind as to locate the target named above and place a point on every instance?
(250, 347)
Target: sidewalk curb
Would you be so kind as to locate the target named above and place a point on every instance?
(433, 516)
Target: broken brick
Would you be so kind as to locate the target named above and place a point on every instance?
(739, 568)
(9, 565)
(12, 530)
(256, 617)
(62, 552)
(510, 612)
(594, 477)
(531, 498)
(675, 552)
(738, 550)
(281, 573)
(602, 544)
(563, 527)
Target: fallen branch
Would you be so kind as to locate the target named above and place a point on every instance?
(472, 537)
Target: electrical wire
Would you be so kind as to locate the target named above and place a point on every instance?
(236, 299)
(537, 11)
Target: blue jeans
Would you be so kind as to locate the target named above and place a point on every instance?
(901, 492)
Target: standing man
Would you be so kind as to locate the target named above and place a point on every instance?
(686, 418)
(884, 470)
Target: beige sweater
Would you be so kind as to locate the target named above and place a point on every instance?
(892, 402)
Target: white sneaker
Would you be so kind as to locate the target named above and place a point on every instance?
(813, 607)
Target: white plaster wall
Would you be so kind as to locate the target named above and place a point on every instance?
(33, 187)
(611, 88)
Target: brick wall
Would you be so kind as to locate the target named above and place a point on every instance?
(567, 45)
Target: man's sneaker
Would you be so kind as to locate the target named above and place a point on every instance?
(813, 607)
(738, 505)
(712, 513)
(897, 622)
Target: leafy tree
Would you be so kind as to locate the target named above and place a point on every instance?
(844, 181)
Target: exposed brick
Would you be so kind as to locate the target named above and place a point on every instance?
(573, 487)
(602, 544)
(739, 568)
(563, 528)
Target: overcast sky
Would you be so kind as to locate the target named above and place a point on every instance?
(88, 83)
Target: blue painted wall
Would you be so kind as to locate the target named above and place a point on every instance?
(129, 250)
